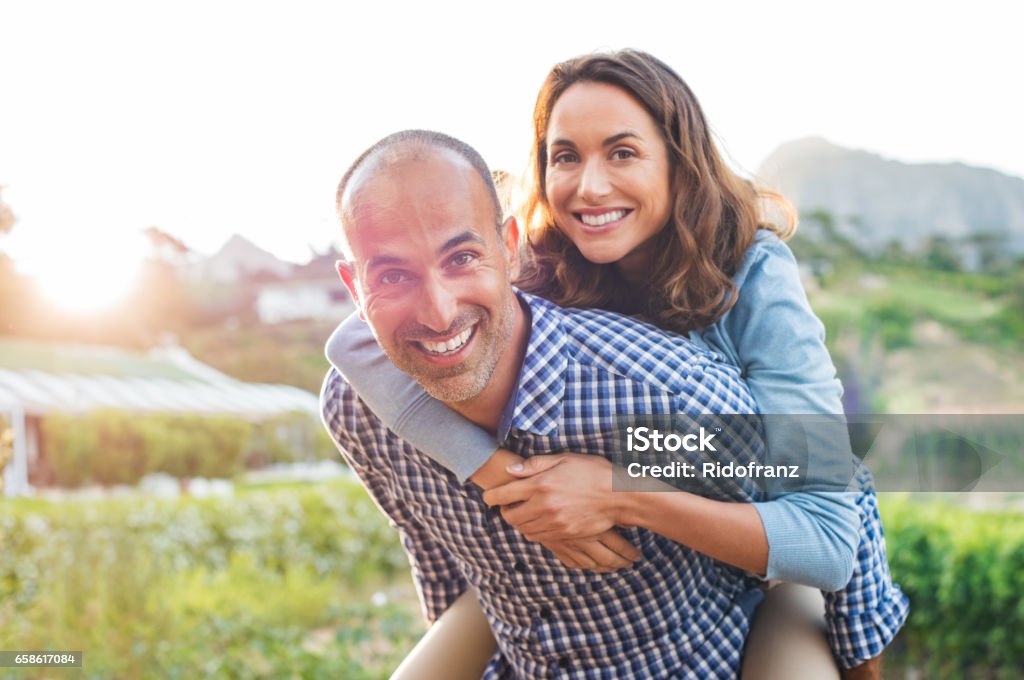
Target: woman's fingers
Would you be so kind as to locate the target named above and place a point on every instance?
(572, 558)
(615, 542)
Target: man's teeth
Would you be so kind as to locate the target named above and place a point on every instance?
(602, 219)
(448, 346)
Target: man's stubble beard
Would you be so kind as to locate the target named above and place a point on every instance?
(468, 379)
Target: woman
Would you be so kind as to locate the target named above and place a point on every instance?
(632, 209)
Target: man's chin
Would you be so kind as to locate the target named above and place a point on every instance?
(453, 390)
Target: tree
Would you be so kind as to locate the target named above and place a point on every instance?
(941, 254)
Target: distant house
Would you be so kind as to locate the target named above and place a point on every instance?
(39, 379)
(239, 258)
(312, 291)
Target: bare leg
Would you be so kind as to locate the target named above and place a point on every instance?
(457, 647)
(787, 638)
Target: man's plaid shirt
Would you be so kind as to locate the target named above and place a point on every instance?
(676, 613)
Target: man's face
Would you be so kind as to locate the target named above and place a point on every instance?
(431, 275)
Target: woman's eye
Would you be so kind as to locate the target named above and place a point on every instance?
(622, 154)
(564, 157)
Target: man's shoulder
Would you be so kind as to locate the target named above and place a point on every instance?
(342, 411)
(626, 347)
(595, 329)
(334, 388)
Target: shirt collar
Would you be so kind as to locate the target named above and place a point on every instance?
(536, 402)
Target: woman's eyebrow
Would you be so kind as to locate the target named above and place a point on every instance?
(608, 141)
(614, 139)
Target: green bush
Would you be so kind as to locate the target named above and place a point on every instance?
(288, 438)
(893, 321)
(964, 574)
(114, 447)
(267, 584)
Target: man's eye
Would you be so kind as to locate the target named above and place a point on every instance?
(462, 259)
(392, 277)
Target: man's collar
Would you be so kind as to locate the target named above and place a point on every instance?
(535, 404)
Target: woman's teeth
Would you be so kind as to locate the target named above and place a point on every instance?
(602, 219)
(448, 346)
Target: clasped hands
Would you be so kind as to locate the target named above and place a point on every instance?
(565, 503)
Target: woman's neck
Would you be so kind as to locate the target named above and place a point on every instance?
(635, 268)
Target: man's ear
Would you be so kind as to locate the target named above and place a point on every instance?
(349, 279)
(510, 229)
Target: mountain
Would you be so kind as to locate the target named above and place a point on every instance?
(875, 200)
(239, 258)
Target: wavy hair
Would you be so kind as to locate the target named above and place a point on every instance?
(713, 220)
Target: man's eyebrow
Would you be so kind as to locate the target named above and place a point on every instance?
(383, 260)
(453, 242)
(459, 239)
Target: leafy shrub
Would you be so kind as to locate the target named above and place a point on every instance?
(268, 584)
(114, 447)
(288, 438)
(893, 321)
(964, 574)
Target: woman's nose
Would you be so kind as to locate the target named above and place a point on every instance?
(594, 182)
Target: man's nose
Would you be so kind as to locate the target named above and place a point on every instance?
(594, 182)
(438, 305)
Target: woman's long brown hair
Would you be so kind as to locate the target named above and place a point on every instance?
(713, 221)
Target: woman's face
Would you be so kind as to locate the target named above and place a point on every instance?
(607, 179)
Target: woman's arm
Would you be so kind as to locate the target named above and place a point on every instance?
(542, 507)
(772, 334)
(806, 537)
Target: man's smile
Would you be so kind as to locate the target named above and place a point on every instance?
(449, 346)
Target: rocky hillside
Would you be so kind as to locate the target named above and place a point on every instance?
(875, 200)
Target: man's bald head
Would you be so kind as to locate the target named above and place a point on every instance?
(408, 145)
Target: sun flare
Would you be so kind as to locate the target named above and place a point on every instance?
(88, 283)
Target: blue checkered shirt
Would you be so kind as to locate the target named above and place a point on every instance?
(675, 614)
(864, 617)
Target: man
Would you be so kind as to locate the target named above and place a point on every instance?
(432, 278)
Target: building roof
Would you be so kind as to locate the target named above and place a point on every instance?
(42, 378)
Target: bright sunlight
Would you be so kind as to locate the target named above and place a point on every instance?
(83, 278)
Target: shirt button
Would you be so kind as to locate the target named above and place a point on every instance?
(563, 662)
(519, 566)
(545, 613)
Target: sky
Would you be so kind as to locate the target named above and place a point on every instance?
(212, 118)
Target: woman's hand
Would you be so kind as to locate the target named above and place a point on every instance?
(558, 497)
(603, 553)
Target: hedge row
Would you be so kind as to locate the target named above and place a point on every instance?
(963, 571)
(114, 447)
(268, 584)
